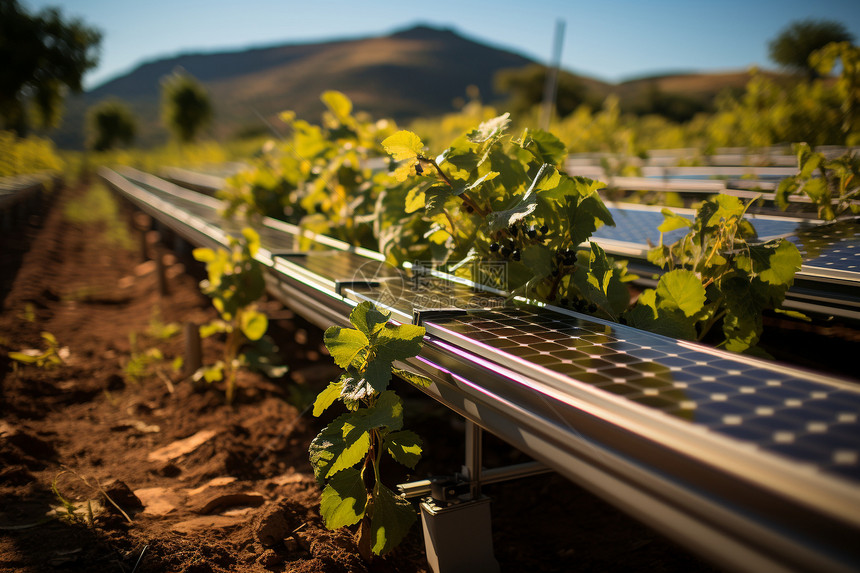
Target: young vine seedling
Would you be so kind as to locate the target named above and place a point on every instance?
(235, 284)
(346, 455)
(718, 274)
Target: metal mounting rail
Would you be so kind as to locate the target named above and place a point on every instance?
(18, 193)
(753, 464)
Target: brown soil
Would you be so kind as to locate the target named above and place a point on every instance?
(203, 486)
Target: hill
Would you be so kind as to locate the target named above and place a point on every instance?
(415, 72)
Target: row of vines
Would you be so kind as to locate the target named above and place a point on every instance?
(493, 194)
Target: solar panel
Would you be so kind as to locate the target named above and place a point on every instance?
(638, 224)
(831, 247)
(791, 413)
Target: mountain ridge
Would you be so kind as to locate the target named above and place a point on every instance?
(417, 71)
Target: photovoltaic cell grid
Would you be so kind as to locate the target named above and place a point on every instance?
(343, 266)
(835, 246)
(420, 293)
(782, 411)
(271, 239)
(636, 225)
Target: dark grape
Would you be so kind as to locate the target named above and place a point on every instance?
(544, 229)
(592, 307)
(513, 230)
(532, 233)
(516, 255)
(494, 247)
(505, 252)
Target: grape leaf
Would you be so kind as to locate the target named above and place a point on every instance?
(344, 499)
(338, 104)
(784, 262)
(253, 324)
(416, 379)
(672, 222)
(328, 396)
(477, 183)
(345, 344)
(490, 129)
(403, 145)
(404, 446)
(340, 445)
(368, 319)
(681, 289)
(525, 206)
(544, 146)
(391, 519)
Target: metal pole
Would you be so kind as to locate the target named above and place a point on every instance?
(474, 457)
(551, 87)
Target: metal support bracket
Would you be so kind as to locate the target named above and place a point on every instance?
(456, 517)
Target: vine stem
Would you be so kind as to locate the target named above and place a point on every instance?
(464, 196)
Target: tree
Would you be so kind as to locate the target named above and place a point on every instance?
(185, 106)
(110, 124)
(526, 87)
(793, 46)
(43, 58)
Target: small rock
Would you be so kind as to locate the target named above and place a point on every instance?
(181, 447)
(273, 526)
(271, 560)
(114, 383)
(169, 470)
(120, 494)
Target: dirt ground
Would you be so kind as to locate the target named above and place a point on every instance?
(104, 467)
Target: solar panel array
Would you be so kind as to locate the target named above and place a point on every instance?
(790, 418)
(784, 411)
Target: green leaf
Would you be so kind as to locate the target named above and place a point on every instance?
(403, 145)
(345, 344)
(253, 324)
(784, 262)
(525, 206)
(671, 222)
(490, 129)
(24, 358)
(340, 445)
(793, 314)
(478, 182)
(538, 258)
(358, 388)
(252, 240)
(415, 199)
(404, 446)
(399, 342)
(344, 499)
(544, 146)
(412, 378)
(328, 396)
(368, 319)
(203, 255)
(391, 519)
(681, 289)
(722, 207)
(435, 197)
(214, 327)
(386, 412)
(461, 154)
(338, 104)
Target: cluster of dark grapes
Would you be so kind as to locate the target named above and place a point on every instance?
(518, 235)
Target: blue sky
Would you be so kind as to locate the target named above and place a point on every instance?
(610, 40)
